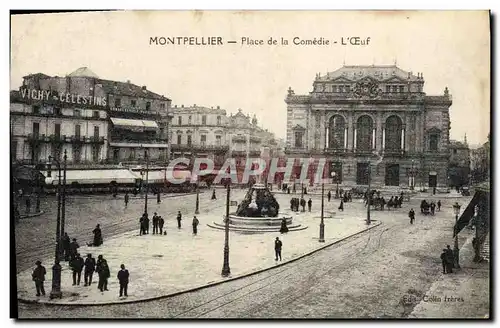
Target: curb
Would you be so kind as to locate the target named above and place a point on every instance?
(189, 290)
(31, 215)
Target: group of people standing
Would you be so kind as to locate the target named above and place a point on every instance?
(296, 202)
(429, 208)
(159, 224)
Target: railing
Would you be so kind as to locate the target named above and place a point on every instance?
(199, 147)
(133, 110)
(139, 141)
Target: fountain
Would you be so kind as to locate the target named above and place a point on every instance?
(258, 212)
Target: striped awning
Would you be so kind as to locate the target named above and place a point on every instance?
(134, 124)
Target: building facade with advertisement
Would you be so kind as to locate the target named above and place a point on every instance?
(96, 121)
(372, 122)
(459, 170)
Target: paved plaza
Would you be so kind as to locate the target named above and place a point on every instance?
(160, 265)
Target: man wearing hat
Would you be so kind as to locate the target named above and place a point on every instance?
(76, 265)
(89, 269)
(73, 249)
(39, 277)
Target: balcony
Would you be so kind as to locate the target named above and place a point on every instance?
(214, 148)
(239, 138)
(36, 138)
(336, 151)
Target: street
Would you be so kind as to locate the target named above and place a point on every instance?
(366, 276)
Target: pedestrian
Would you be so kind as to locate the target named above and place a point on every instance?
(38, 276)
(73, 249)
(443, 261)
(179, 219)
(123, 278)
(158, 200)
(161, 222)
(309, 204)
(433, 207)
(195, 225)
(277, 248)
(97, 236)
(103, 270)
(292, 204)
(450, 259)
(283, 228)
(65, 246)
(146, 224)
(411, 215)
(439, 205)
(126, 198)
(341, 206)
(214, 197)
(89, 269)
(329, 195)
(76, 266)
(288, 190)
(303, 204)
(28, 204)
(155, 223)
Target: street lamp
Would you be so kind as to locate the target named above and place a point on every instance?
(333, 174)
(368, 195)
(147, 182)
(63, 210)
(456, 251)
(412, 184)
(226, 271)
(197, 209)
(322, 223)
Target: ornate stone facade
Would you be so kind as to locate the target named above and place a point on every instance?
(377, 116)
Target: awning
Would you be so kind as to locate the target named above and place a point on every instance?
(159, 176)
(134, 124)
(482, 199)
(137, 145)
(93, 177)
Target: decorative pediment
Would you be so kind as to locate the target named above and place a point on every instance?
(367, 88)
(395, 79)
(298, 127)
(341, 79)
(433, 130)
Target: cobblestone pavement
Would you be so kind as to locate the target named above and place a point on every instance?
(366, 276)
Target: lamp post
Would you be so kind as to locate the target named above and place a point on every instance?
(63, 208)
(226, 271)
(147, 183)
(197, 209)
(302, 188)
(368, 195)
(56, 268)
(412, 184)
(333, 174)
(456, 251)
(322, 223)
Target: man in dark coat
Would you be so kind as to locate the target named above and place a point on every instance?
(155, 223)
(179, 219)
(439, 205)
(65, 246)
(97, 236)
(146, 224)
(443, 261)
(73, 249)
(283, 228)
(161, 222)
(309, 204)
(39, 277)
(329, 195)
(411, 215)
(158, 200)
(341, 206)
(195, 225)
(277, 248)
(123, 277)
(126, 199)
(103, 270)
(450, 259)
(433, 207)
(89, 269)
(76, 265)
(292, 204)
(214, 197)
(303, 204)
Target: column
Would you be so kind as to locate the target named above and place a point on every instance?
(383, 137)
(345, 137)
(327, 137)
(403, 138)
(355, 138)
(374, 145)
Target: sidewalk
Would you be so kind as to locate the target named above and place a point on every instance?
(463, 294)
(163, 265)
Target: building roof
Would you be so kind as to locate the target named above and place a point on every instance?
(83, 72)
(458, 144)
(41, 75)
(198, 109)
(377, 72)
(128, 89)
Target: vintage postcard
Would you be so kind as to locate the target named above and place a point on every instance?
(250, 164)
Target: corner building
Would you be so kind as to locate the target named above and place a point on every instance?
(372, 122)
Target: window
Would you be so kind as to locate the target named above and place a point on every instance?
(36, 129)
(77, 113)
(433, 142)
(57, 111)
(364, 133)
(204, 120)
(133, 102)
(179, 139)
(298, 139)
(362, 173)
(394, 88)
(162, 106)
(118, 102)
(77, 131)
(96, 132)
(13, 150)
(454, 151)
(57, 130)
(95, 114)
(179, 120)
(162, 131)
(218, 140)
(77, 154)
(219, 120)
(388, 88)
(401, 89)
(189, 140)
(148, 105)
(347, 88)
(190, 121)
(336, 128)
(95, 154)
(203, 140)
(393, 133)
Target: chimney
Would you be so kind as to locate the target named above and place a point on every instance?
(128, 81)
(218, 107)
(175, 106)
(143, 88)
(194, 105)
(182, 106)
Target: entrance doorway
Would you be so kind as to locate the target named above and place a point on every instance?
(392, 175)
(362, 174)
(432, 180)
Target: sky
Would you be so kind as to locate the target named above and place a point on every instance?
(450, 48)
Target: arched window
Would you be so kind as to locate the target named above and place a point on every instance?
(393, 133)
(364, 132)
(336, 132)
